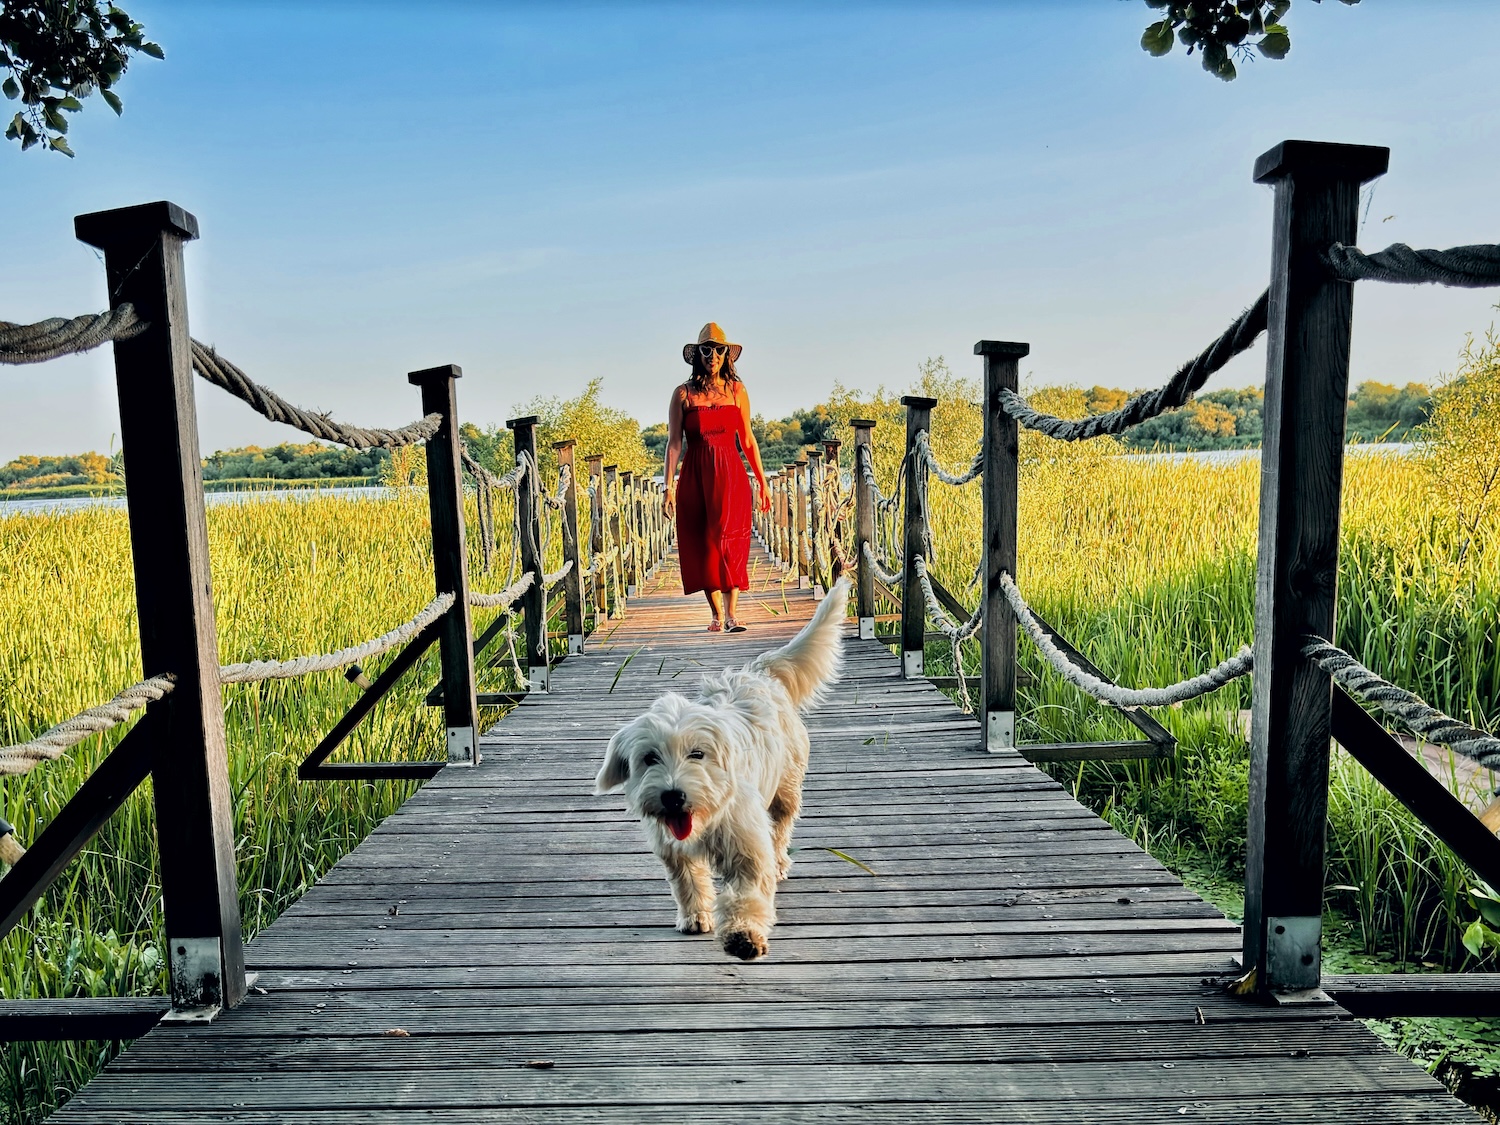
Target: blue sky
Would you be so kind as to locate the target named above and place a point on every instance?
(549, 192)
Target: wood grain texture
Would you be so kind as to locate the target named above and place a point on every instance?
(1012, 960)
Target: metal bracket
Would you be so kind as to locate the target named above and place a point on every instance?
(540, 679)
(575, 644)
(196, 969)
(999, 731)
(867, 628)
(911, 664)
(461, 746)
(1294, 948)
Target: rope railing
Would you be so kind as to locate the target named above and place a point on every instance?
(257, 670)
(1240, 664)
(1188, 380)
(1418, 716)
(506, 597)
(225, 375)
(890, 578)
(52, 743)
(59, 336)
(557, 575)
(1465, 267)
(947, 625)
(564, 478)
(975, 470)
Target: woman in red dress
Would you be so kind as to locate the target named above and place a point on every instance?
(708, 425)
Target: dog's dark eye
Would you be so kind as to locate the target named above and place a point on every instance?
(651, 758)
(695, 753)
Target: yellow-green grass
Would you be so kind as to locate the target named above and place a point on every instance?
(289, 577)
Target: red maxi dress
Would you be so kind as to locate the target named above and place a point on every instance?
(713, 501)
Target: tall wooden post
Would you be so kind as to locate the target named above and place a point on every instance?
(913, 604)
(596, 537)
(799, 508)
(573, 580)
(143, 265)
(773, 518)
(864, 527)
(834, 525)
(789, 515)
(450, 561)
(1001, 484)
(534, 600)
(815, 521)
(1307, 385)
(631, 549)
(617, 577)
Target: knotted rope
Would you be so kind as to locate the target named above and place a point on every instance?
(1422, 719)
(1467, 267)
(976, 466)
(257, 670)
(221, 373)
(50, 744)
(1188, 381)
(1216, 677)
(59, 336)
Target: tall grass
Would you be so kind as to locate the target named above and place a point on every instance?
(289, 577)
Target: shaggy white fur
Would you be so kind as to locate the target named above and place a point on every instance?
(717, 780)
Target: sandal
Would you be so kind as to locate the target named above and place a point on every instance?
(732, 626)
(714, 626)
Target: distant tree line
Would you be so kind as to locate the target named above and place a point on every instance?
(312, 461)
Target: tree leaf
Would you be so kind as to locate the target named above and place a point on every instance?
(153, 50)
(12, 91)
(1275, 45)
(71, 104)
(61, 146)
(112, 99)
(1473, 938)
(1157, 39)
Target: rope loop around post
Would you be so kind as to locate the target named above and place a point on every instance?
(976, 464)
(1178, 391)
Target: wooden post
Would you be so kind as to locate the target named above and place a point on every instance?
(773, 518)
(450, 561)
(864, 529)
(834, 525)
(799, 507)
(143, 264)
(1001, 484)
(596, 537)
(815, 521)
(572, 553)
(913, 604)
(789, 515)
(1301, 473)
(534, 601)
(627, 524)
(617, 576)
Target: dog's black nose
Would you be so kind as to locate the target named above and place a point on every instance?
(673, 799)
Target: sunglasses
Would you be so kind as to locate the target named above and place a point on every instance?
(707, 351)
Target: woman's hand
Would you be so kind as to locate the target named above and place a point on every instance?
(763, 497)
(669, 503)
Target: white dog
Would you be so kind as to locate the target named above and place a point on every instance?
(717, 780)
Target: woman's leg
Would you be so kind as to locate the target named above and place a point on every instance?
(731, 603)
(713, 597)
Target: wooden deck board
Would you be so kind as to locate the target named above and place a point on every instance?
(1012, 960)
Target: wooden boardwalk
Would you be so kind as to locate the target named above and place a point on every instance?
(501, 950)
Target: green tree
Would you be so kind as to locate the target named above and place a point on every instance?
(1382, 412)
(595, 427)
(1217, 29)
(58, 52)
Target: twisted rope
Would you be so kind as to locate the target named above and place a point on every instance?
(890, 578)
(557, 576)
(1216, 677)
(221, 373)
(1467, 267)
(59, 336)
(945, 623)
(1178, 391)
(506, 597)
(257, 670)
(564, 478)
(1422, 719)
(50, 744)
(976, 466)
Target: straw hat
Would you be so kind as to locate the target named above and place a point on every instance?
(711, 334)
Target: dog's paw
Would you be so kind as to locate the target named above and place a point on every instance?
(747, 945)
(700, 923)
(783, 867)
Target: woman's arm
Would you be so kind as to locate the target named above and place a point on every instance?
(674, 450)
(751, 447)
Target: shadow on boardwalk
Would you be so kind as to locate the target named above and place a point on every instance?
(501, 949)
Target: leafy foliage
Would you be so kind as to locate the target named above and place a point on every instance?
(1217, 29)
(596, 428)
(29, 471)
(312, 461)
(59, 52)
(1463, 439)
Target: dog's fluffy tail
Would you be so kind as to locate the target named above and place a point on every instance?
(809, 664)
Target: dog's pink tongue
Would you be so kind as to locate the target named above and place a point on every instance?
(680, 824)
